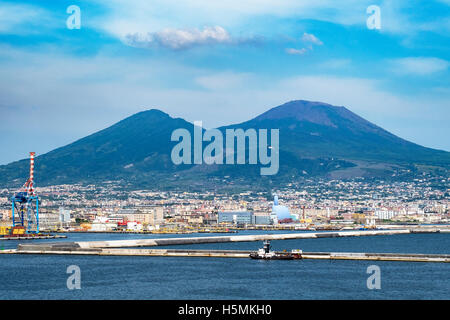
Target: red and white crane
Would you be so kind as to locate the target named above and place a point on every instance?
(25, 204)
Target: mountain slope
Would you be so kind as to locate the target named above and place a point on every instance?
(138, 145)
(315, 139)
(314, 129)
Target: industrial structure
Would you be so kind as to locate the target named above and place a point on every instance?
(279, 212)
(25, 204)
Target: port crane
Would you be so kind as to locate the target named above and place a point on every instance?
(25, 204)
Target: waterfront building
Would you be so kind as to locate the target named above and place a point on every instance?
(261, 218)
(235, 217)
(150, 215)
(385, 214)
(49, 219)
(64, 215)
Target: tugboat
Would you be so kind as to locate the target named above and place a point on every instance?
(266, 254)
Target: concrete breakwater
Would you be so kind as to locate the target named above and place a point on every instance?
(199, 240)
(127, 247)
(236, 254)
(406, 257)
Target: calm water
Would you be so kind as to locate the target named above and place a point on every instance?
(44, 277)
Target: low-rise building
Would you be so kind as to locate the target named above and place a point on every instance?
(261, 218)
(235, 217)
(146, 215)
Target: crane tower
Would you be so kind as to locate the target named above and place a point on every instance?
(25, 204)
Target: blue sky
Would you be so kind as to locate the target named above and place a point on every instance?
(221, 62)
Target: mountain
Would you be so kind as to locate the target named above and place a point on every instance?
(316, 139)
(315, 129)
(133, 147)
(319, 138)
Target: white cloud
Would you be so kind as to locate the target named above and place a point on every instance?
(299, 52)
(23, 19)
(180, 39)
(307, 37)
(142, 16)
(419, 65)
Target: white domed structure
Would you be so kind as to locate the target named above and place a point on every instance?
(282, 212)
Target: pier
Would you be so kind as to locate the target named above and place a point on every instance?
(215, 239)
(127, 247)
(233, 254)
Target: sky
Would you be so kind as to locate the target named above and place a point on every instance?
(220, 62)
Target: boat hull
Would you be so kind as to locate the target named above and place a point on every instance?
(275, 257)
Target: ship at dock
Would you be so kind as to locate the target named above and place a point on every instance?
(265, 253)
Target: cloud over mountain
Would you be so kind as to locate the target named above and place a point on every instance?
(179, 38)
